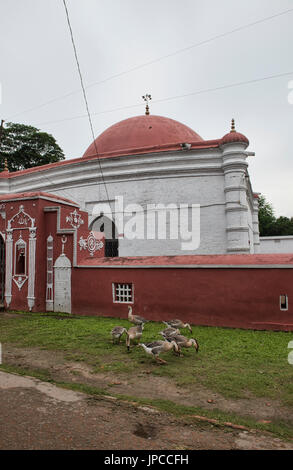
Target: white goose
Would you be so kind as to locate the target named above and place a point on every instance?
(157, 347)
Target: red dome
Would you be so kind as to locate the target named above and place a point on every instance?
(145, 132)
(234, 136)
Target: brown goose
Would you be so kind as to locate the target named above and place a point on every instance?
(183, 342)
(117, 332)
(136, 319)
(157, 347)
(133, 333)
(177, 324)
(169, 332)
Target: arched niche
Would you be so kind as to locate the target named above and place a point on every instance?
(104, 224)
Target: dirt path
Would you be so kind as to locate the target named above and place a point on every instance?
(142, 385)
(39, 415)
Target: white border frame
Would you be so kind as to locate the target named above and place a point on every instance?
(20, 241)
(287, 303)
(114, 293)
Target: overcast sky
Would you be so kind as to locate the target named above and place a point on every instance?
(37, 66)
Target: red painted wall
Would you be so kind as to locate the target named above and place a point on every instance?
(245, 298)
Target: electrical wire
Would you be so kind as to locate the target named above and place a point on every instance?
(85, 97)
(83, 87)
(155, 61)
(171, 98)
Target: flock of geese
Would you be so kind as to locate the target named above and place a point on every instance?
(173, 340)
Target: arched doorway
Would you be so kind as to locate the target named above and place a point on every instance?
(2, 271)
(107, 226)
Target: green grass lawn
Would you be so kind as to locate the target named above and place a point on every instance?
(235, 363)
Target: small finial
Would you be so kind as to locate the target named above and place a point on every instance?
(63, 241)
(1, 131)
(6, 165)
(147, 98)
(233, 126)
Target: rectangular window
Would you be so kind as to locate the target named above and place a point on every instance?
(122, 293)
(283, 302)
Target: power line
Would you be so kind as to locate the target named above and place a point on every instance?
(85, 97)
(159, 59)
(171, 98)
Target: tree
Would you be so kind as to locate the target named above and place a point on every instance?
(283, 226)
(266, 217)
(26, 146)
(269, 225)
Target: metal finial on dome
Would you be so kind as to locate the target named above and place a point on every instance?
(147, 98)
(233, 126)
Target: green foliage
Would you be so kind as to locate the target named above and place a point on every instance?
(283, 226)
(266, 216)
(25, 147)
(269, 225)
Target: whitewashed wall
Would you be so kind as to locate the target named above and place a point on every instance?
(212, 178)
(276, 244)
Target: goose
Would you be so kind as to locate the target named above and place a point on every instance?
(169, 332)
(183, 342)
(177, 324)
(156, 347)
(136, 319)
(117, 332)
(134, 332)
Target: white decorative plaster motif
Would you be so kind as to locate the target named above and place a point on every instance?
(91, 244)
(8, 268)
(19, 280)
(50, 276)
(32, 268)
(74, 219)
(63, 241)
(32, 232)
(20, 250)
(21, 218)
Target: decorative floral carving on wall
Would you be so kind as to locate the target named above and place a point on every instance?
(21, 219)
(20, 259)
(91, 244)
(19, 280)
(74, 219)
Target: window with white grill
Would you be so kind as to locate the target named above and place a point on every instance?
(122, 293)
